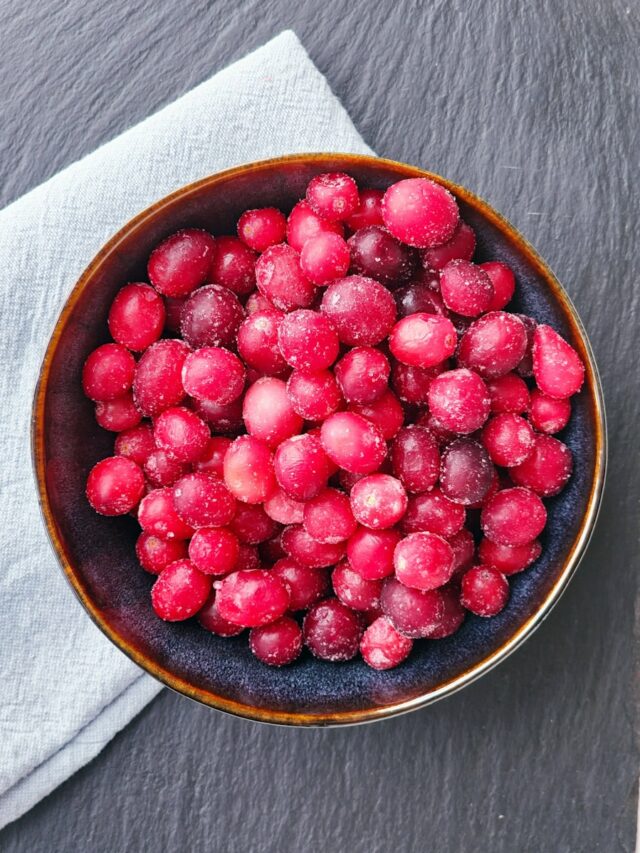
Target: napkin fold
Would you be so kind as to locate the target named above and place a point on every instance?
(66, 689)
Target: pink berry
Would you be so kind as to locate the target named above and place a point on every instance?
(363, 374)
(307, 551)
(466, 472)
(370, 552)
(212, 459)
(136, 317)
(180, 591)
(262, 227)
(378, 501)
(461, 246)
(557, 367)
(252, 525)
(382, 647)
(233, 265)
(304, 584)
(303, 224)
(119, 414)
(547, 468)
(353, 590)
(324, 258)
(452, 615)
(548, 415)
(155, 554)
(136, 443)
(385, 413)
(343, 303)
(413, 612)
(423, 561)
(283, 509)
(211, 317)
(508, 559)
(332, 631)
(213, 373)
(221, 417)
(493, 345)
(307, 340)
(268, 413)
(333, 196)
(210, 620)
(508, 438)
(415, 459)
(508, 393)
(278, 643)
(423, 340)
(108, 372)
(369, 210)
(252, 598)
(513, 517)
(301, 467)
(214, 550)
(503, 281)
(115, 485)
(376, 254)
(434, 513)
(328, 517)
(157, 516)
(248, 470)
(181, 433)
(484, 591)
(353, 442)
(203, 501)
(459, 400)
(162, 469)
(258, 342)
(157, 384)
(314, 394)
(466, 288)
(420, 212)
(181, 262)
(280, 278)
(463, 547)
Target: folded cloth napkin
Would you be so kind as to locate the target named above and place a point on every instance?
(66, 690)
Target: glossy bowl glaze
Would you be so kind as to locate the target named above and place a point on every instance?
(97, 553)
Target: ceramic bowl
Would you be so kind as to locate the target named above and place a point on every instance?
(97, 553)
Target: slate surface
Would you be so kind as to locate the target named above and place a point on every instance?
(535, 106)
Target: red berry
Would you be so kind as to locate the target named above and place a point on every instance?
(268, 413)
(180, 591)
(203, 501)
(248, 559)
(369, 210)
(385, 413)
(181, 262)
(157, 384)
(221, 417)
(370, 552)
(353, 443)
(508, 559)
(252, 525)
(252, 598)
(181, 433)
(353, 590)
(280, 278)
(376, 254)
(301, 547)
(119, 414)
(283, 509)
(413, 612)
(435, 513)
(307, 340)
(332, 631)
(314, 394)
(546, 469)
(412, 384)
(420, 212)
(423, 561)
(278, 643)
(213, 373)
(328, 517)
(108, 372)
(525, 368)
(382, 647)
(214, 550)
(211, 317)
(548, 415)
(378, 501)
(508, 438)
(466, 288)
(248, 470)
(324, 258)
(415, 459)
(508, 393)
(493, 345)
(155, 554)
(420, 296)
(304, 584)
(115, 485)
(459, 400)
(301, 467)
(484, 591)
(503, 281)
(136, 317)
(333, 196)
(466, 472)
(136, 443)
(162, 469)
(452, 615)
(233, 265)
(363, 374)
(258, 342)
(258, 302)
(157, 515)
(461, 246)
(262, 227)
(212, 459)
(210, 620)
(557, 367)
(463, 547)
(423, 340)
(513, 517)
(303, 224)
(343, 303)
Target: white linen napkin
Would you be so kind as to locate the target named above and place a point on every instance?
(65, 689)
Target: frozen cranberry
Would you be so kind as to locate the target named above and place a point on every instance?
(508, 393)
(268, 413)
(503, 281)
(363, 374)
(248, 470)
(485, 591)
(212, 459)
(467, 472)
(420, 212)
(557, 367)
(305, 550)
(136, 317)
(434, 513)
(546, 469)
(314, 394)
(420, 296)
(493, 345)
(508, 559)
(211, 317)
(162, 469)
(119, 414)
(353, 590)
(180, 591)
(283, 509)
(222, 417)
(344, 304)
(332, 631)
(181, 262)
(203, 501)
(108, 372)
(508, 438)
(278, 643)
(301, 467)
(415, 459)
(258, 302)
(213, 373)
(280, 278)
(157, 515)
(466, 288)
(173, 311)
(252, 525)
(513, 517)
(324, 258)
(460, 247)
(376, 254)
(463, 547)
(452, 615)
(413, 612)
(271, 550)
(136, 443)
(378, 501)
(459, 400)
(252, 598)
(210, 620)
(370, 552)
(412, 384)
(248, 558)
(233, 265)
(115, 485)
(385, 413)
(303, 224)
(382, 647)
(307, 340)
(423, 340)
(423, 561)
(441, 434)
(258, 342)
(304, 584)
(525, 368)
(369, 210)
(548, 415)
(157, 384)
(262, 227)
(214, 550)
(333, 196)
(353, 442)
(155, 554)
(181, 433)
(328, 517)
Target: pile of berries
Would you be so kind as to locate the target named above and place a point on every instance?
(309, 415)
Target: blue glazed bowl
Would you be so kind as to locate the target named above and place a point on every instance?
(97, 553)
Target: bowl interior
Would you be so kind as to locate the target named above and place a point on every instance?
(98, 553)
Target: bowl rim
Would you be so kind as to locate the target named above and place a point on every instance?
(293, 718)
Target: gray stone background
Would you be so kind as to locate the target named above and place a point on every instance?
(535, 106)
